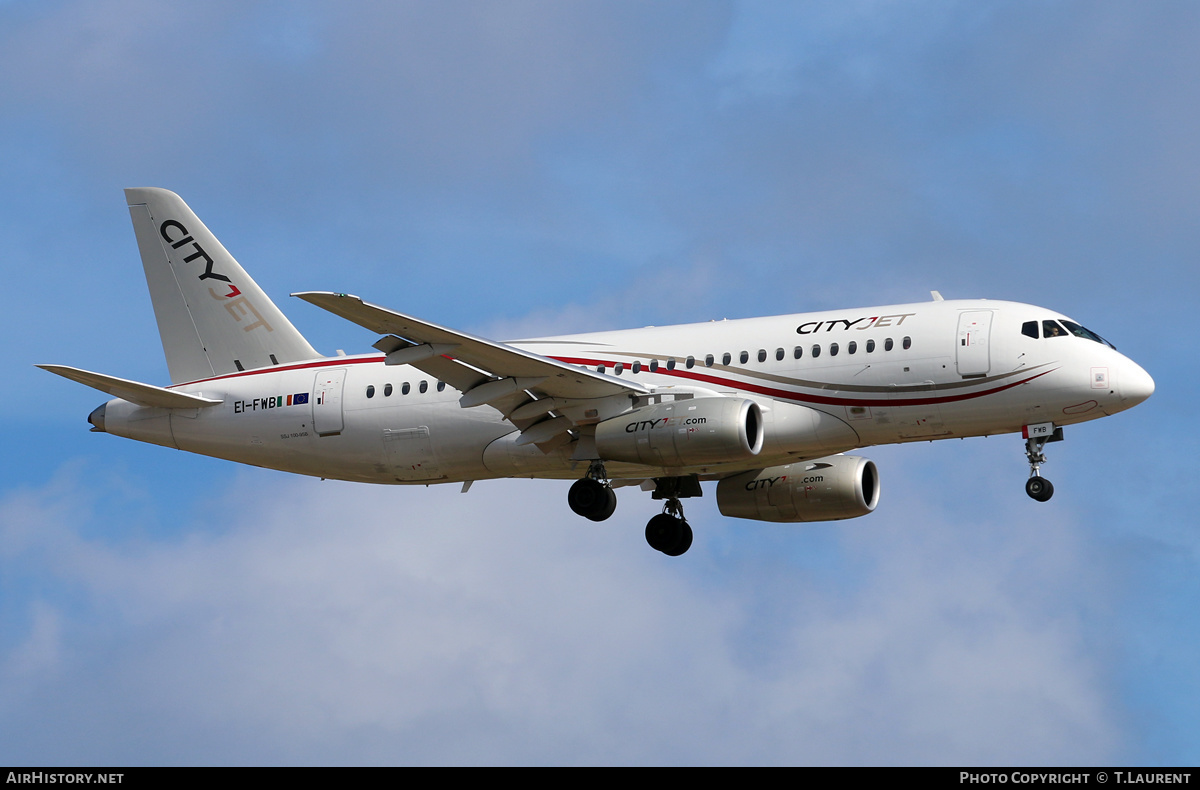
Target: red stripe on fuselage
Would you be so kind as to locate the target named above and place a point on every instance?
(706, 378)
(331, 362)
(825, 400)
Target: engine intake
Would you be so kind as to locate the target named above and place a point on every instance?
(684, 433)
(824, 489)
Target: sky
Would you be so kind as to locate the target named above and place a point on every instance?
(522, 168)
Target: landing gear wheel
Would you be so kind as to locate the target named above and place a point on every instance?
(592, 499)
(685, 540)
(665, 533)
(1039, 488)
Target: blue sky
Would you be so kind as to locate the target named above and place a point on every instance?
(522, 168)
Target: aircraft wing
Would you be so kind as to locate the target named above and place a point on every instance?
(132, 391)
(485, 371)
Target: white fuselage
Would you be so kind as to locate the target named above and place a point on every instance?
(826, 382)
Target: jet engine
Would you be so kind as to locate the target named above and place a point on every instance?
(824, 489)
(684, 433)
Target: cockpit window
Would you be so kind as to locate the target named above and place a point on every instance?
(1052, 329)
(1029, 329)
(1079, 331)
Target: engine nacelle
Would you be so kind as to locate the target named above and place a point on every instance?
(825, 489)
(689, 432)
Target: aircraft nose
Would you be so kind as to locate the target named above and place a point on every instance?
(1136, 384)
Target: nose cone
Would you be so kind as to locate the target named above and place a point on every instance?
(1136, 385)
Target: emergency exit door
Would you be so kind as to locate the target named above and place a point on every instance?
(327, 401)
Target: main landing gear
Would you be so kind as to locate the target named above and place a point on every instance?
(1036, 486)
(668, 532)
(593, 498)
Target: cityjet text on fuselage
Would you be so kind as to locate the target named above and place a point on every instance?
(866, 322)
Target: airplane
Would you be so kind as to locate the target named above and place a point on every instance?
(765, 407)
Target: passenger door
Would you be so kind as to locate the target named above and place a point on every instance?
(973, 353)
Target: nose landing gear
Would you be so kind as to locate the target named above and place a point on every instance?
(1036, 486)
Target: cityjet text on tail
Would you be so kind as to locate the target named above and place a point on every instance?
(765, 407)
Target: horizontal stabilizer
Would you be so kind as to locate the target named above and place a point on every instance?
(132, 391)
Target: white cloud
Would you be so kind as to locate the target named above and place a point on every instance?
(339, 623)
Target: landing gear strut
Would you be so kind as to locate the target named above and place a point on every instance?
(1036, 486)
(592, 497)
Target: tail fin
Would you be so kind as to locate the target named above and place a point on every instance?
(212, 318)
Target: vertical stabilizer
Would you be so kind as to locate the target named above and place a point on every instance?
(213, 319)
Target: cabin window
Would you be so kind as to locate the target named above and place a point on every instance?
(798, 352)
(762, 355)
(405, 388)
(833, 349)
(852, 348)
(423, 386)
(708, 360)
(887, 344)
(726, 358)
(370, 390)
(441, 386)
(870, 346)
(744, 357)
(619, 368)
(907, 343)
(654, 366)
(779, 353)
(637, 367)
(816, 350)
(671, 364)
(1029, 329)
(600, 368)
(691, 362)
(387, 390)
